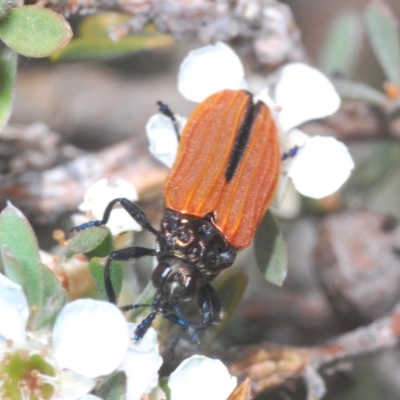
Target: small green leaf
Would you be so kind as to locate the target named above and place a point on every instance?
(20, 255)
(114, 387)
(93, 241)
(8, 69)
(34, 32)
(51, 285)
(230, 287)
(270, 250)
(342, 47)
(102, 48)
(358, 91)
(383, 32)
(46, 316)
(97, 270)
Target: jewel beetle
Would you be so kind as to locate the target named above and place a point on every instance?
(225, 174)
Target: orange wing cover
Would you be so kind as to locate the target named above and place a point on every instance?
(228, 162)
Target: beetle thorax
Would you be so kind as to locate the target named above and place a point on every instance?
(197, 241)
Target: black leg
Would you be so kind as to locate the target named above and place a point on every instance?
(130, 253)
(133, 210)
(209, 304)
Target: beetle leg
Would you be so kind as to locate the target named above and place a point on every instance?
(179, 320)
(132, 209)
(143, 327)
(209, 304)
(130, 253)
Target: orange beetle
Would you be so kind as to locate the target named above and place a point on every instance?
(223, 179)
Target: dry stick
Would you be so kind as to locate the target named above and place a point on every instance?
(270, 366)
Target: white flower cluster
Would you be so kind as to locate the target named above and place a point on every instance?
(91, 339)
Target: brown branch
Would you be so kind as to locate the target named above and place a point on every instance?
(59, 189)
(270, 366)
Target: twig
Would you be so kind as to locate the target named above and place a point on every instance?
(270, 366)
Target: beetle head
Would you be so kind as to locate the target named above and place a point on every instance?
(175, 281)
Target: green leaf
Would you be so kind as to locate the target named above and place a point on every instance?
(358, 91)
(46, 316)
(230, 287)
(102, 48)
(270, 250)
(93, 241)
(34, 32)
(51, 285)
(20, 256)
(383, 33)
(8, 69)
(342, 47)
(96, 267)
(114, 387)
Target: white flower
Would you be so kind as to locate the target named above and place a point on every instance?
(199, 378)
(97, 198)
(141, 364)
(90, 339)
(321, 164)
(301, 94)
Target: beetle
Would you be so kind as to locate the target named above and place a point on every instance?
(225, 174)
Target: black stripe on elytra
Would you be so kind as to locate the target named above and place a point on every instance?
(242, 139)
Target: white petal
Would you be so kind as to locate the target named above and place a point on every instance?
(286, 203)
(199, 378)
(120, 222)
(304, 94)
(163, 140)
(320, 167)
(74, 386)
(266, 98)
(294, 138)
(90, 337)
(103, 191)
(90, 397)
(208, 70)
(100, 194)
(141, 364)
(14, 311)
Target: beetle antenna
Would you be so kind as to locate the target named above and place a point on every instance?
(165, 110)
